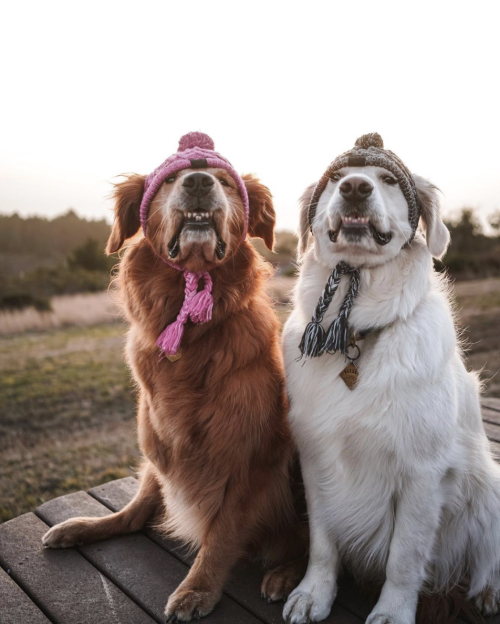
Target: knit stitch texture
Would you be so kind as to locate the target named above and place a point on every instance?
(369, 151)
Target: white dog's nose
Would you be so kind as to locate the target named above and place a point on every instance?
(356, 188)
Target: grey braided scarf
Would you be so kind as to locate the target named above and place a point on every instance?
(367, 151)
(314, 340)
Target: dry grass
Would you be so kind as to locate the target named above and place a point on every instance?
(478, 304)
(67, 406)
(83, 310)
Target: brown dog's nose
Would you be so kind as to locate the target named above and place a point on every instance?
(198, 184)
(356, 188)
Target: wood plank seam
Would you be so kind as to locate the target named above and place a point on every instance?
(490, 407)
(20, 585)
(178, 558)
(117, 585)
(123, 589)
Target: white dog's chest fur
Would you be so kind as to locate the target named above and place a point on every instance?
(411, 413)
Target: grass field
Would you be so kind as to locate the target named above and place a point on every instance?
(67, 410)
(67, 402)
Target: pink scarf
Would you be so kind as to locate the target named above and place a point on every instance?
(197, 307)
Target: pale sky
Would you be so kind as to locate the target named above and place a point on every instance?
(94, 89)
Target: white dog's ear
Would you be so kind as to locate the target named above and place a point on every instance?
(436, 232)
(304, 229)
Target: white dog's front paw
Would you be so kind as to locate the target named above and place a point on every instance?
(488, 601)
(302, 607)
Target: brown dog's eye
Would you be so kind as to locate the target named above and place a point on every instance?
(389, 180)
(224, 182)
(170, 180)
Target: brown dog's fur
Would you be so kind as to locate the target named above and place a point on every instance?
(212, 426)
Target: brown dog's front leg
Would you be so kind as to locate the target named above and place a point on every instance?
(224, 543)
(201, 590)
(131, 518)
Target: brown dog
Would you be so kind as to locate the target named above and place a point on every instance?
(212, 425)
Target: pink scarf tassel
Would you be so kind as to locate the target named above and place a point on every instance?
(197, 306)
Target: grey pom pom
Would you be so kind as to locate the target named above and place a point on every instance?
(370, 140)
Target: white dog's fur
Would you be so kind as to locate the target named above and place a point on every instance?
(400, 481)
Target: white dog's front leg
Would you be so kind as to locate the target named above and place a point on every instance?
(312, 600)
(417, 519)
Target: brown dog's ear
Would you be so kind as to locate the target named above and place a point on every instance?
(304, 228)
(127, 196)
(262, 217)
(436, 232)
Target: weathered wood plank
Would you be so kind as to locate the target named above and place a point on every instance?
(491, 416)
(491, 403)
(116, 494)
(244, 584)
(492, 431)
(139, 567)
(66, 586)
(16, 607)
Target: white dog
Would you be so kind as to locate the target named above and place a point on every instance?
(401, 485)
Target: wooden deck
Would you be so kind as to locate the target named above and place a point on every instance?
(127, 580)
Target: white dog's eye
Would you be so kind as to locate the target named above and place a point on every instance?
(337, 176)
(170, 180)
(389, 180)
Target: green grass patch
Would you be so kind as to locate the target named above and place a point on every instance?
(67, 414)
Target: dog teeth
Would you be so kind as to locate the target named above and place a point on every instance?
(197, 215)
(362, 220)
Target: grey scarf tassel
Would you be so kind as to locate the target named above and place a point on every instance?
(314, 341)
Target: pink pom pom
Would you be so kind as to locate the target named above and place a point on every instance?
(200, 308)
(195, 139)
(169, 340)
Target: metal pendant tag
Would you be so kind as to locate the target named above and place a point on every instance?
(175, 357)
(350, 375)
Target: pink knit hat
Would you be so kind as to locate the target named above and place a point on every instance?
(196, 151)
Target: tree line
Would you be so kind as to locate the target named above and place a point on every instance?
(65, 255)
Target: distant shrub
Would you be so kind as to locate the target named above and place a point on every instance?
(20, 301)
(472, 254)
(90, 256)
(36, 287)
(49, 239)
(63, 280)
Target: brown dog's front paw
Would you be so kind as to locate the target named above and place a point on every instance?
(63, 535)
(279, 582)
(187, 604)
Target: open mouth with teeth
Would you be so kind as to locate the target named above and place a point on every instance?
(355, 226)
(197, 221)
